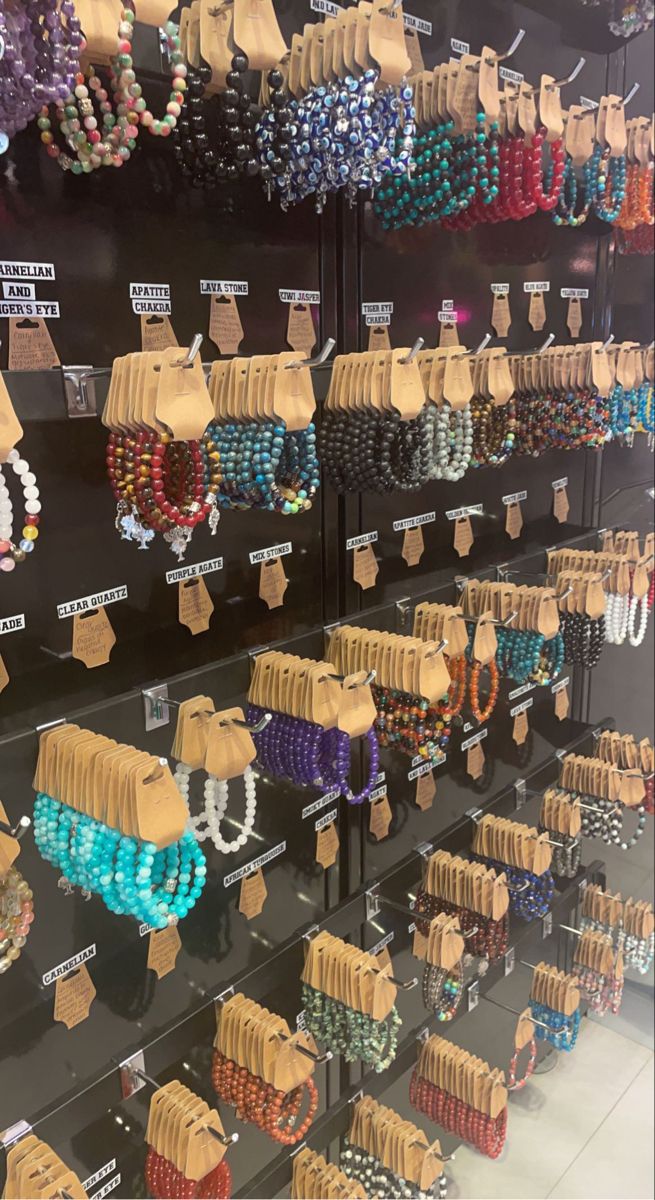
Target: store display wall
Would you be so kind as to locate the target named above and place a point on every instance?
(102, 234)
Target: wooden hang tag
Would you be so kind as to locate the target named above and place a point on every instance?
(419, 944)
(501, 317)
(537, 311)
(9, 846)
(194, 605)
(365, 567)
(273, 583)
(30, 346)
(357, 711)
(426, 790)
(258, 34)
(163, 949)
(230, 748)
(475, 760)
(225, 328)
(183, 403)
(378, 337)
(413, 546)
(386, 43)
(380, 818)
(463, 536)
(301, 335)
(448, 335)
(574, 316)
(562, 703)
(414, 52)
(560, 504)
(93, 637)
(513, 520)
(524, 1032)
(157, 333)
(74, 995)
(632, 789)
(327, 845)
(4, 675)
(521, 728)
(252, 894)
(153, 12)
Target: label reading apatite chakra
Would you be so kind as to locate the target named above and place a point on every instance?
(86, 603)
(69, 965)
(151, 298)
(258, 556)
(12, 624)
(413, 522)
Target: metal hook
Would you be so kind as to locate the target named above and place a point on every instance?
(312, 362)
(261, 724)
(630, 96)
(563, 595)
(558, 83)
(605, 345)
(522, 888)
(19, 830)
(392, 6)
(438, 649)
(411, 355)
(404, 987)
(570, 929)
(515, 1012)
(342, 679)
(549, 341)
(508, 53)
(317, 1058)
(483, 345)
(494, 620)
(191, 354)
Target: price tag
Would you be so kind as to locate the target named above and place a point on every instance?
(327, 842)
(93, 638)
(380, 815)
(560, 691)
(195, 606)
(365, 567)
(463, 536)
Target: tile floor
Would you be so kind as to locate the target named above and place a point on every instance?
(583, 1131)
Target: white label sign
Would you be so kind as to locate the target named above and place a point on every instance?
(521, 691)
(258, 556)
(287, 296)
(363, 539)
(558, 484)
(69, 965)
(514, 712)
(560, 685)
(86, 603)
(385, 306)
(194, 570)
(447, 317)
(326, 820)
(223, 287)
(473, 741)
(412, 522)
(500, 289)
(587, 103)
(27, 270)
(385, 941)
(107, 1187)
(459, 47)
(323, 802)
(377, 319)
(19, 291)
(515, 498)
(150, 298)
(101, 1174)
(377, 794)
(324, 6)
(418, 24)
(255, 864)
(510, 76)
(472, 510)
(425, 767)
(538, 286)
(48, 310)
(12, 624)
(574, 293)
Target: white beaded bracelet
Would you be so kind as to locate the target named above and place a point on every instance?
(208, 823)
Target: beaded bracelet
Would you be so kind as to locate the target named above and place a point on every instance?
(562, 1032)
(271, 1110)
(10, 552)
(265, 466)
(583, 638)
(483, 714)
(600, 818)
(487, 1134)
(560, 418)
(380, 1181)
(157, 887)
(637, 951)
(350, 1032)
(410, 723)
(443, 990)
(163, 1180)
(307, 754)
(514, 1084)
(16, 916)
(494, 432)
(208, 823)
(367, 450)
(603, 993)
(452, 442)
(567, 856)
(490, 939)
(528, 902)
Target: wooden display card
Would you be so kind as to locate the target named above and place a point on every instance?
(157, 333)
(164, 946)
(252, 894)
(574, 316)
(475, 760)
(4, 675)
(195, 606)
(327, 845)
(380, 818)
(273, 583)
(365, 567)
(426, 790)
(537, 311)
(225, 328)
(413, 546)
(463, 536)
(30, 346)
(521, 728)
(93, 638)
(560, 505)
(501, 317)
(301, 335)
(74, 995)
(514, 520)
(562, 704)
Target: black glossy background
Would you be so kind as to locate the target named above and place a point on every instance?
(145, 224)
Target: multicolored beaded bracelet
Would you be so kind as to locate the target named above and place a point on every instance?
(350, 1032)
